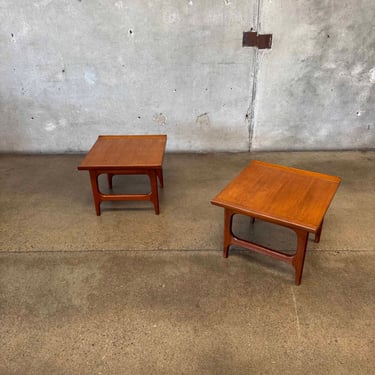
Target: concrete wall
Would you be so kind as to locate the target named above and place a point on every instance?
(73, 69)
(316, 88)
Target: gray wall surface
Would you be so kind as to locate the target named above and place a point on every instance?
(73, 69)
(316, 88)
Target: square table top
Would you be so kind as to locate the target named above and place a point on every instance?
(282, 195)
(125, 151)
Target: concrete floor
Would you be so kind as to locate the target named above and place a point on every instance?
(130, 292)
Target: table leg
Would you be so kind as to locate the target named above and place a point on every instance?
(319, 232)
(109, 179)
(159, 173)
(154, 190)
(228, 234)
(95, 191)
(298, 259)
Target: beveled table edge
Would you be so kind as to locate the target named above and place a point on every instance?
(295, 170)
(109, 136)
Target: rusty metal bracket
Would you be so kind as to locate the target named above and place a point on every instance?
(253, 39)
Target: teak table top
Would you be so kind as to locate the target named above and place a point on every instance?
(125, 151)
(282, 195)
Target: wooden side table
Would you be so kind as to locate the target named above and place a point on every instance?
(289, 197)
(125, 155)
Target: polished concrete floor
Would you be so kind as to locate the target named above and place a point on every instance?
(131, 292)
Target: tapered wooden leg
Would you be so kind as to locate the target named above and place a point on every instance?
(154, 190)
(109, 179)
(319, 232)
(159, 173)
(95, 191)
(299, 258)
(228, 234)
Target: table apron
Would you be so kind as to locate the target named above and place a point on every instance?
(146, 171)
